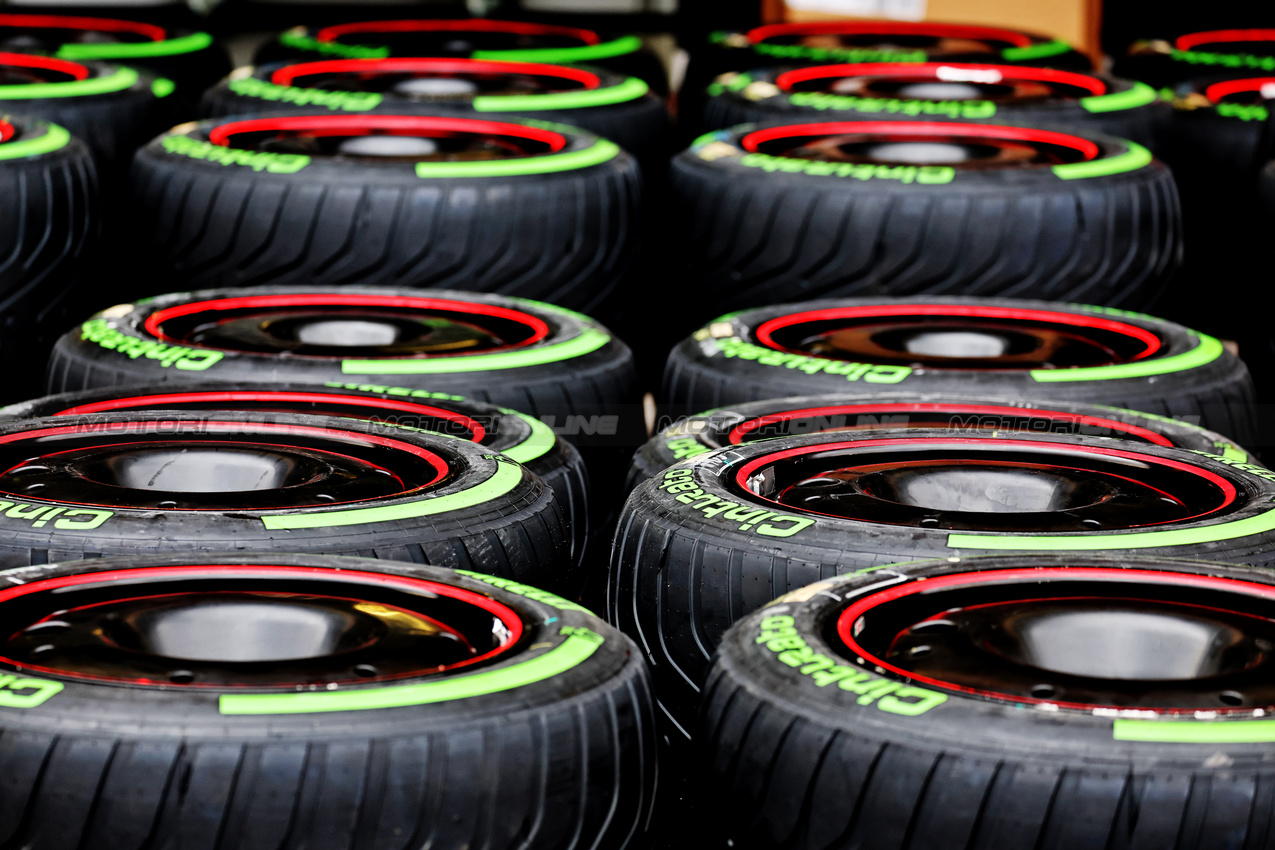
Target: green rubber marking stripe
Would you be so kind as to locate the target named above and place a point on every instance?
(138, 50)
(1195, 731)
(1131, 160)
(122, 78)
(570, 653)
(1137, 540)
(162, 87)
(505, 478)
(1207, 351)
(590, 339)
(631, 89)
(1140, 95)
(597, 153)
(54, 138)
(566, 55)
(537, 444)
(1035, 51)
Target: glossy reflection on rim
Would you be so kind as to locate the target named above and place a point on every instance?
(939, 82)
(337, 326)
(951, 337)
(435, 78)
(986, 485)
(1074, 637)
(394, 138)
(975, 146)
(918, 415)
(204, 465)
(251, 627)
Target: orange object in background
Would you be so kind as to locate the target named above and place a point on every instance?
(1074, 21)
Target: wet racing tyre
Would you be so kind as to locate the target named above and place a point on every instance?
(1019, 95)
(509, 206)
(469, 38)
(130, 482)
(769, 419)
(1025, 701)
(719, 535)
(898, 208)
(111, 108)
(50, 226)
(515, 435)
(612, 106)
(299, 701)
(1212, 53)
(190, 59)
(964, 346)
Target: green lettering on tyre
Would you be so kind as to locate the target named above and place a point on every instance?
(579, 645)
(26, 692)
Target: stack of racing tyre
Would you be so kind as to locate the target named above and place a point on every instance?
(435, 431)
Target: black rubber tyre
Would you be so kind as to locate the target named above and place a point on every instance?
(702, 544)
(51, 224)
(759, 225)
(190, 59)
(556, 365)
(768, 419)
(612, 106)
(515, 435)
(554, 222)
(113, 109)
(1219, 138)
(738, 358)
(544, 742)
(810, 745)
(469, 38)
(1018, 95)
(1214, 53)
(312, 484)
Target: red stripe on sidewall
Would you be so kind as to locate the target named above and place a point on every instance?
(154, 322)
(158, 401)
(49, 63)
(1217, 91)
(1228, 489)
(871, 69)
(766, 330)
(744, 428)
(848, 617)
(362, 124)
(1194, 39)
(206, 427)
(502, 612)
(287, 74)
(1088, 149)
(150, 31)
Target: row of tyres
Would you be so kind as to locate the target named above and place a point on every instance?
(1030, 698)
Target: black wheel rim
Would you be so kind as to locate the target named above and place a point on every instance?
(916, 415)
(957, 337)
(335, 325)
(453, 423)
(251, 627)
(923, 41)
(1001, 84)
(389, 138)
(1074, 637)
(435, 79)
(964, 146)
(207, 464)
(977, 484)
